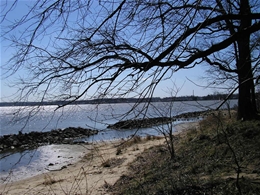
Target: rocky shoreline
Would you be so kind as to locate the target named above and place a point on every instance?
(34, 139)
(23, 141)
(140, 123)
(149, 122)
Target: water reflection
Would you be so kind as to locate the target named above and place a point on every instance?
(10, 161)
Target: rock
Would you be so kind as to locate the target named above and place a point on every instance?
(79, 142)
(36, 139)
(149, 122)
(16, 143)
(140, 123)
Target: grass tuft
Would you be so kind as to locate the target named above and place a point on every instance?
(113, 162)
(50, 181)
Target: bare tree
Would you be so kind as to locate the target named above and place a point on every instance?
(121, 47)
(167, 129)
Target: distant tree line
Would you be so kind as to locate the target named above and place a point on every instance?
(124, 100)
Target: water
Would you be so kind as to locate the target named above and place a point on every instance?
(31, 162)
(26, 119)
(22, 165)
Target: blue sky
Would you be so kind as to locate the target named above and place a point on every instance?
(179, 78)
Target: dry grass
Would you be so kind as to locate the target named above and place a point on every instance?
(113, 162)
(51, 180)
(207, 162)
(134, 141)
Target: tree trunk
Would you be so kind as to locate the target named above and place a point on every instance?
(246, 101)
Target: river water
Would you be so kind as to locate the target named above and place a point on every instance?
(17, 165)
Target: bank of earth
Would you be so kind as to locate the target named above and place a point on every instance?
(220, 156)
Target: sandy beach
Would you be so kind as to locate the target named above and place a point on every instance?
(101, 165)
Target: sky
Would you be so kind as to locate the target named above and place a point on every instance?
(180, 79)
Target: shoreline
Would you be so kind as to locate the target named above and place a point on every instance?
(34, 139)
(89, 169)
(41, 160)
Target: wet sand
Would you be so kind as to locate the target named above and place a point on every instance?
(41, 160)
